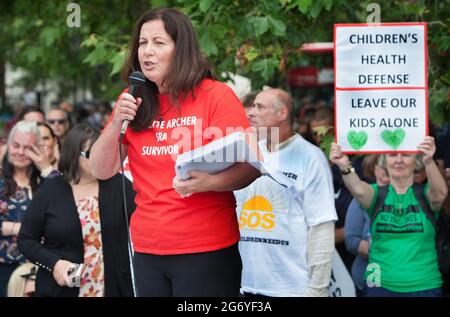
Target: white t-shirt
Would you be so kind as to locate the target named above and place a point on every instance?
(274, 224)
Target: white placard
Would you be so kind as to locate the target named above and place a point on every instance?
(380, 56)
(341, 283)
(380, 87)
(380, 120)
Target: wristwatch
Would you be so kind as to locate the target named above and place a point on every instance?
(350, 169)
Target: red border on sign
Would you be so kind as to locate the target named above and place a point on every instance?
(382, 88)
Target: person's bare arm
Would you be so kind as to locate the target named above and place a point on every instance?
(104, 159)
(438, 188)
(339, 235)
(359, 189)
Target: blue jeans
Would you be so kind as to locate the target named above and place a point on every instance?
(382, 292)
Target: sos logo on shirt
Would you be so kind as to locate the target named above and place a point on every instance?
(257, 214)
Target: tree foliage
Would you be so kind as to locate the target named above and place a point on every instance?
(258, 39)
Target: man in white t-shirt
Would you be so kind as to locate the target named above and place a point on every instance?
(286, 239)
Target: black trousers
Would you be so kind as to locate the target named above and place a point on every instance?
(6, 270)
(206, 274)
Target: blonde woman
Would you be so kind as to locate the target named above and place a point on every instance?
(21, 283)
(403, 237)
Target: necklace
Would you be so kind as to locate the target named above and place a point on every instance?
(164, 113)
(161, 118)
(399, 206)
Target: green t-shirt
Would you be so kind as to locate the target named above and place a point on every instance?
(403, 250)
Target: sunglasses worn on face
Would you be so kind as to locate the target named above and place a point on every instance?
(58, 121)
(85, 153)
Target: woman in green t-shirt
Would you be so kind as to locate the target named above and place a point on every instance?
(402, 258)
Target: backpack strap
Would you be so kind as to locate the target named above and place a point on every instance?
(419, 194)
(381, 197)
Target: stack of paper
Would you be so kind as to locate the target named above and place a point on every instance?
(220, 154)
(214, 157)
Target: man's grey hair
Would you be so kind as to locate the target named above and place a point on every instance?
(66, 114)
(283, 98)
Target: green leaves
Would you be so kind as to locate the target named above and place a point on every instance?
(252, 54)
(32, 54)
(90, 41)
(97, 55)
(117, 61)
(327, 135)
(204, 5)
(104, 52)
(207, 44)
(303, 5)
(49, 35)
(260, 25)
(266, 67)
(257, 39)
(278, 27)
(439, 110)
(327, 4)
(310, 8)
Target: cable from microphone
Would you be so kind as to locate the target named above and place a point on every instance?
(135, 80)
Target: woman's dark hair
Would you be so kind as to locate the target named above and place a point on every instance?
(188, 68)
(29, 109)
(76, 139)
(249, 99)
(43, 124)
(10, 185)
(54, 136)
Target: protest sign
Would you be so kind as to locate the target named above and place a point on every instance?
(381, 102)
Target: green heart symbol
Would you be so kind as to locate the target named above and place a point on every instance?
(357, 139)
(393, 138)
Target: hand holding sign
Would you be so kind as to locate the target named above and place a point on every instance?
(338, 157)
(427, 147)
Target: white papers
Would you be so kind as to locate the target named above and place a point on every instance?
(213, 157)
(220, 154)
(276, 176)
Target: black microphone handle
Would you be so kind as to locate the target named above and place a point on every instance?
(133, 90)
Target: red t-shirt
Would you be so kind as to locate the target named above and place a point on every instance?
(164, 222)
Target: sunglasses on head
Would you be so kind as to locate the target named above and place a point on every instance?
(58, 121)
(85, 153)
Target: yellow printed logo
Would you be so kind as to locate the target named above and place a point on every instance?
(257, 214)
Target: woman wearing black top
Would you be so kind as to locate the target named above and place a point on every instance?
(80, 219)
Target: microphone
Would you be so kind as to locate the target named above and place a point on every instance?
(135, 80)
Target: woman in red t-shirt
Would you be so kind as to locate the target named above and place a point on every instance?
(184, 245)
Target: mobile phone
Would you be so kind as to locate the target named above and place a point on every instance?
(74, 275)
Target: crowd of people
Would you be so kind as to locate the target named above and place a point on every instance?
(64, 207)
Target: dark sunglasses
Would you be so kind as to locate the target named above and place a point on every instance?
(58, 121)
(85, 153)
